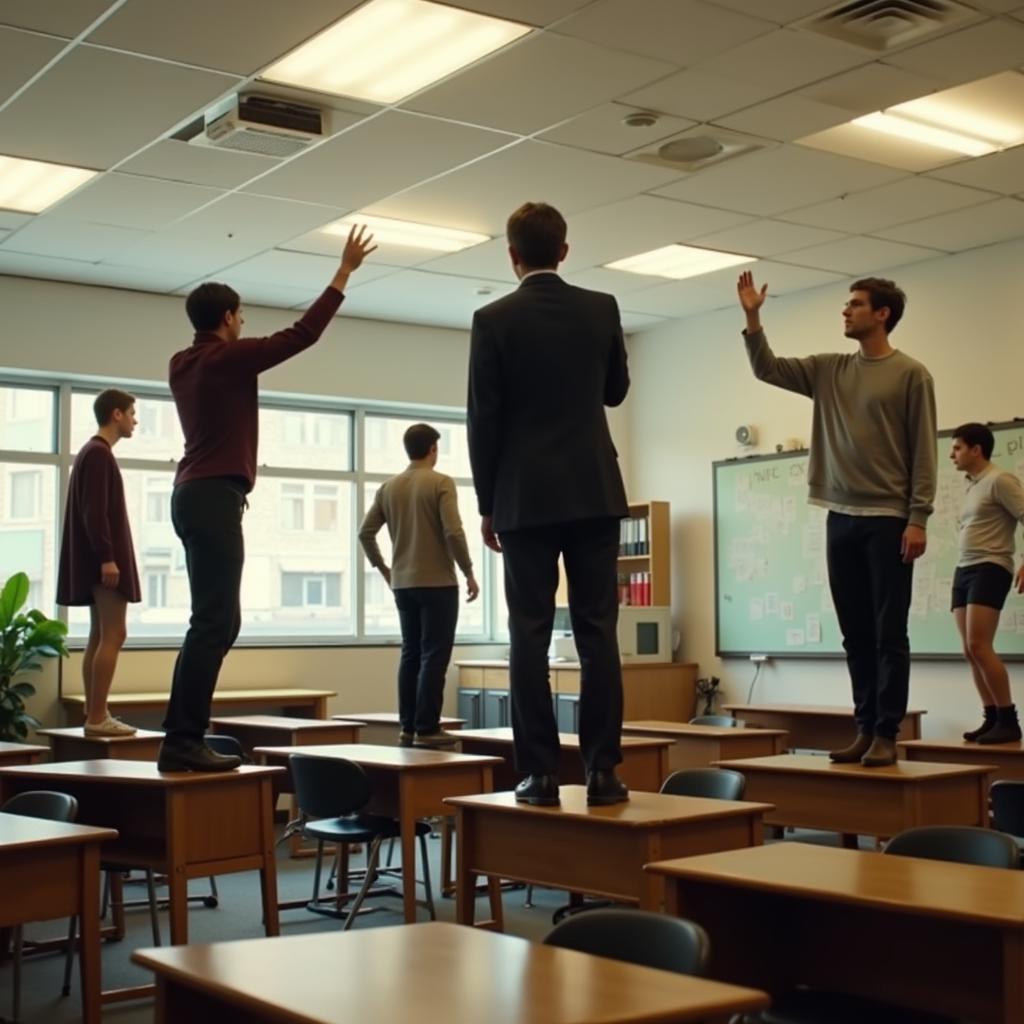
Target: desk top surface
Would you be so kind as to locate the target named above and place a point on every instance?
(391, 718)
(907, 884)
(284, 722)
(807, 709)
(14, 749)
(18, 832)
(641, 810)
(220, 696)
(574, 666)
(569, 740)
(657, 728)
(141, 773)
(959, 744)
(387, 758)
(77, 732)
(448, 973)
(817, 764)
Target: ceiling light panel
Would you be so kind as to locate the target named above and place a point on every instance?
(388, 231)
(679, 261)
(388, 49)
(32, 186)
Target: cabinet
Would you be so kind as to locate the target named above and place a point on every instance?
(655, 557)
(471, 707)
(497, 709)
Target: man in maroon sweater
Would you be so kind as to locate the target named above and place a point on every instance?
(214, 383)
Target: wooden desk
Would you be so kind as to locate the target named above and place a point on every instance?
(281, 731)
(183, 824)
(1005, 759)
(292, 700)
(809, 791)
(50, 870)
(596, 850)
(927, 934)
(644, 758)
(443, 973)
(815, 726)
(382, 727)
(408, 784)
(697, 746)
(72, 744)
(21, 753)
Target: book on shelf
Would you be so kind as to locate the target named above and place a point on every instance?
(635, 588)
(634, 538)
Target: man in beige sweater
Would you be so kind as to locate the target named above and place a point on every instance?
(421, 511)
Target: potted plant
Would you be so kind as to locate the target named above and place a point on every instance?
(707, 689)
(25, 639)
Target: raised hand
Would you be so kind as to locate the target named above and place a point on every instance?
(357, 248)
(751, 298)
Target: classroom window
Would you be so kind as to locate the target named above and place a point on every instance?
(158, 503)
(27, 419)
(156, 589)
(24, 491)
(157, 436)
(310, 590)
(293, 506)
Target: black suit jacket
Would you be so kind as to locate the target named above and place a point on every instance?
(544, 362)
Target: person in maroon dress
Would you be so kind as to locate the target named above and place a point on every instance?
(97, 560)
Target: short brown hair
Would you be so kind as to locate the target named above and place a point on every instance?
(207, 303)
(537, 233)
(884, 294)
(976, 435)
(110, 401)
(419, 439)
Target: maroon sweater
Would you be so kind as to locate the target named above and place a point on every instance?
(214, 387)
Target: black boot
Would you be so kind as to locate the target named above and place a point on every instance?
(990, 720)
(1006, 729)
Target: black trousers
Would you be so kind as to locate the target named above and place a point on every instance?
(589, 549)
(428, 616)
(871, 590)
(207, 517)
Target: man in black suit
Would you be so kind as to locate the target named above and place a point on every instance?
(544, 362)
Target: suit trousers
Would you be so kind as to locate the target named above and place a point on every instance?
(207, 517)
(589, 549)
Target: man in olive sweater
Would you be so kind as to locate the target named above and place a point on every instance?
(873, 467)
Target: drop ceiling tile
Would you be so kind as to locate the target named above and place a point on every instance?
(766, 238)
(321, 243)
(700, 96)
(198, 165)
(859, 255)
(896, 203)
(785, 118)
(22, 55)
(966, 55)
(96, 107)
(999, 172)
(603, 130)
(681, 32)
(869, 88)
(997, 221)
(480, 197)
(231, 38)
(265, 293)
(999, 6)
(780, 11)
(62, 237)
(538, 82)
(132, 202)
(135, 278)
(858, 142)
(381, 156)
(10, 219)
(489, 260)
(772, 181)
(4, 232)
(59, 17)
(18, 264)
(614, 282)
(528, 12)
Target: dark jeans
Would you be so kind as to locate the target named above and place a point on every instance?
(871, 588)
(207, 516)
(589, 550)
(428, 616)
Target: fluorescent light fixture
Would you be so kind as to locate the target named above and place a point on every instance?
(30, 186)
(926, 134)
(387, 231)
(679, 261)
(388, 49)
(940, 111)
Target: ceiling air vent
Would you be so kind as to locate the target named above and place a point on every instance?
(261, 124)
(696, 149)
(882, 25)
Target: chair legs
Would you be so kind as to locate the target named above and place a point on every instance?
(426, 878)
(372, 856)
(69, 957)
(16, 980)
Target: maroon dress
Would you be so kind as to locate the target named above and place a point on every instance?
(96, 528)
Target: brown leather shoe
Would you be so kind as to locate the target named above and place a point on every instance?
(882, 752)
(854, 752)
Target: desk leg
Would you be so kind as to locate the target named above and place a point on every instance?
(177, 825)
(89, 924)
(268, 872)
(1013, 976)
(465, 887)
(407, 828)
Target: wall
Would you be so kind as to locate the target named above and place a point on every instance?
(692, 386)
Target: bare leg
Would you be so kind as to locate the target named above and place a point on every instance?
(87, 659)
(109, 612)
(981, 625)
(981, 685)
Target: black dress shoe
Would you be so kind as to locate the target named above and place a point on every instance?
(538, 790)
(193, 756)
(605, 787)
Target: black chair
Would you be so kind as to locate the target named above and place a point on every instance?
(48, 806)
(714, 783)
(1006, 798)
(331, 794)
(722, 721)
(983, 847)
(637, 937)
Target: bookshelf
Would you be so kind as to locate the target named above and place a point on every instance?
(646, 547)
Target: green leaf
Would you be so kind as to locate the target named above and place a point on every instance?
(36, 615)
(24, 689)
(12, 597)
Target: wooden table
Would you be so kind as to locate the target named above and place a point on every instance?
(280, 730)
(645, 759)
(697, 746)
(408, 784)
(443, 973)
(596, 850)
(1005, 759)
(383, 727)
(927, 934)
(809, 791)
(292, 700)
(51, 869)
(815, 726)
(72, 744)
(21, 753)
(183, 824)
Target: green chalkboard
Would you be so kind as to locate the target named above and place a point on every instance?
(771, 584)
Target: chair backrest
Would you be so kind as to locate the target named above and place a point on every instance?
(1007, 797)
(965, 844)
(43, 803)
(225, 745)
(722, 721)
(715, 783)
(328, 787)
(636, 936)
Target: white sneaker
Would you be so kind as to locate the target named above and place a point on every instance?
(110, 726)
